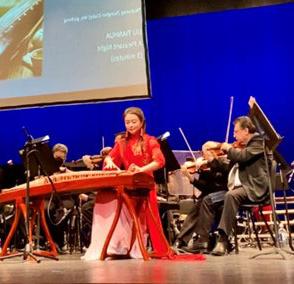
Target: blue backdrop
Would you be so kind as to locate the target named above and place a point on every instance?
(197, 63)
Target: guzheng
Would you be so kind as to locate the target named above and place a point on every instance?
(79, 182)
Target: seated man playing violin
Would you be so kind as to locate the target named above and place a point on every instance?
(211, 180)
(247, 180)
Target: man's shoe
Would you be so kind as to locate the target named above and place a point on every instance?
(199, 245)
(222, 245)
(220, 248)
(179, 244)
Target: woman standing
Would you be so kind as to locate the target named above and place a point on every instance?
(134, 151)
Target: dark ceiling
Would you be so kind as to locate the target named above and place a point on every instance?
(169, 8)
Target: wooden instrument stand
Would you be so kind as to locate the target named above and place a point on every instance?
(125, 196)
(37, 205)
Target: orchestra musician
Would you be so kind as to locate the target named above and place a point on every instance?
(60, 152)
(94, 162)
(212, 182)
(135, 151)
(247, 181)
(65, 204)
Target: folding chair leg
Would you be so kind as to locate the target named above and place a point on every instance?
(236, 237)
(267, 225)
(255, 230)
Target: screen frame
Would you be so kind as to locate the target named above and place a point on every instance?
(120, 93)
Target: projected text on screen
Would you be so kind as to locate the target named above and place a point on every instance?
(65, 51)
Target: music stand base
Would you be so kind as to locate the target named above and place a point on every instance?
(45, 254)
(276, 250)
(30, 255)
(25, 255)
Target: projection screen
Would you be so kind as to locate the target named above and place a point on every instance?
(72, 51)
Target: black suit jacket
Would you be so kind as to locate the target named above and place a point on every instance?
(212, 180)
(252, 168)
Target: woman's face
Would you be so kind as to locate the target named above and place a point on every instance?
(133, 123)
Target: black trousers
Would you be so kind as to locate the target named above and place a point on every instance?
(207, 211)
(232, 202)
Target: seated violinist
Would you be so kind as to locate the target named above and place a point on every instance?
(247, 181)
(212, 182)
(95, 162)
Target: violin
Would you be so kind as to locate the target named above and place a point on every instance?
(88, 161)
(190, 166)
(238, 145)
(216, 152)
(215, 147)
(95, 159)
(197, 165)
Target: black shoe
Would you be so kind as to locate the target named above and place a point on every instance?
(220, 249)
(199, 245)
(179, 244)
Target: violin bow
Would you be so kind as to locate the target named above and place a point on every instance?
(187, 143)
(103, 143)
(229, 119)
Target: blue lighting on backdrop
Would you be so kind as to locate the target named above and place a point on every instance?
(197, 63)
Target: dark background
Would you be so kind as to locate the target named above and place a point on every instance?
(170, 8)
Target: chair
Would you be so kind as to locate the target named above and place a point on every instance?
(178, 204)
(250, 208)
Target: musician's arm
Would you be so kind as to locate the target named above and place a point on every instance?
(88, 162)
(186, 173)
(109, 164)
(221, 164)
(157, 162)
(153, 166)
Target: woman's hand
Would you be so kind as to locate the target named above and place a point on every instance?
(109, 164)
(135, 169)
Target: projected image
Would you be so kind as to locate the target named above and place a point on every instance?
(69, 51)
(21, 38)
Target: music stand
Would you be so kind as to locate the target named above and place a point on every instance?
(171, 163)
(271, 139)
(41, 153)
(282, 184)
(34, 153)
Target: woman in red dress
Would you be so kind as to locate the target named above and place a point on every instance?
(134, 151)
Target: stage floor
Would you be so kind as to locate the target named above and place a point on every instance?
(228, 269)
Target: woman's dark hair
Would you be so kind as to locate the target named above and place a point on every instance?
(138, 112)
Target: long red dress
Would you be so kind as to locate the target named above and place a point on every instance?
(127, 151)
